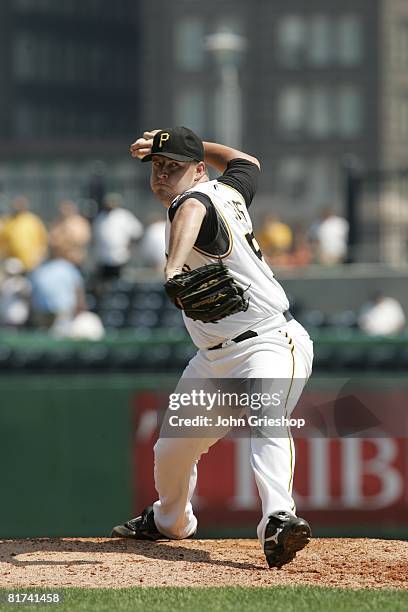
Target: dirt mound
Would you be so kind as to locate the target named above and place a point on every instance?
(116, 563)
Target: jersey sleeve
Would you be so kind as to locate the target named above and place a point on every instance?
(213, 237)
(242, 175)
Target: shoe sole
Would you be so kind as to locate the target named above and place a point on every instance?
(121, 531)
(290, 542)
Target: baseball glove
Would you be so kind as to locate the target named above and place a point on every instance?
(207, 294)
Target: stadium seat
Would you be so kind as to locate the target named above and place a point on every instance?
(91, 302)
(141, 317)
(182, 354)
(345, 319)
(127, 358)
(171, 319)
(94, 358)
(32, 359)
(6, 354)
(383, 357)
(151, 300)
(158, 358)
(114, 301)
(313, 319)
(351, 357)
(112, 319)
(324, 357)
(402, 358)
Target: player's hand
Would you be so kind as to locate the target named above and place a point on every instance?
(143, 146)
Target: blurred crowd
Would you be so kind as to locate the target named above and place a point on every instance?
(323, 242)
(46, 270)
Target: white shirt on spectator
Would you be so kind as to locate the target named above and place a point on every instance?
(113, 232)
(332, 235)
(383, 318)
(153, 245)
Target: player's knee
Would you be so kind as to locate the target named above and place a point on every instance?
(164, 451)
(168, 451)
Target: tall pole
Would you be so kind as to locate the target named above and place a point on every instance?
(227, 48)
(352, 186)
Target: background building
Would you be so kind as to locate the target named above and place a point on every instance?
(320, 81)
(310, 86)
(70, 95)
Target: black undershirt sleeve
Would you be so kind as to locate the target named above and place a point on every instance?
(242, 175)
(209, 226)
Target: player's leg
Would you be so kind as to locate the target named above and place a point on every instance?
(177, 453)
(279, 364)
(273, 451)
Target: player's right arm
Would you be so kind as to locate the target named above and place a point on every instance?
(218, 156)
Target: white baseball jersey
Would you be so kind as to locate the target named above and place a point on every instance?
(280, 353)
(236, 246)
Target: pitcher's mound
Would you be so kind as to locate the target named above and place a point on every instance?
(119, 563)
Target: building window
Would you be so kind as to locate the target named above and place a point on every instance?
(403, 118)
(291, 41)
(24, 124)
(349, 40)
(292, 109)
(349, 111)
(311, 180)
(402, 44)
(23, 5)
(24, 57)
(320, 112)
(189, 110)
(322, 181)
(189, 44)
(320, 41)
(292, 177)
(320, 117)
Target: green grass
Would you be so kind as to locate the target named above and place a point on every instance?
(237, 599)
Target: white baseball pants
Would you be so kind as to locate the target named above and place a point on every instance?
(280, 355)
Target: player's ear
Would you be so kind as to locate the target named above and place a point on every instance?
(200, 170)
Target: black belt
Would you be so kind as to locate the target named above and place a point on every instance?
(248, 334)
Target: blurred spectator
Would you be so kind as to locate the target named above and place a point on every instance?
(23, 235)
(85, 326)
(381, 316)
(70, 234)
(330, 235)
(57, 293)
(300, 254)
(14, 294)
(114, 229)
(152, 246)
(275, 237)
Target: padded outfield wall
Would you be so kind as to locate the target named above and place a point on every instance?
(76, 457)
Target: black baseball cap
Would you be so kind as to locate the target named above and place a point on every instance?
(177, 143)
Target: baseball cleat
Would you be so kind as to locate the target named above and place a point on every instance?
(285, 535)
(142, 527)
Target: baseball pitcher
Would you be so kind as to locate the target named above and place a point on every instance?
(237, 315)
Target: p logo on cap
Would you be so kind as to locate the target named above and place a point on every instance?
(164, 137)
(177, 143)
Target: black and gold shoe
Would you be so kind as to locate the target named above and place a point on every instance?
(285, 535)
(142, 527)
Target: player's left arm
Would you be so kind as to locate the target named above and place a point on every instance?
(184, 231)
(218, 156)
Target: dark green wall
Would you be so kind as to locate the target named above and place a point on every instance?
(65, 455)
